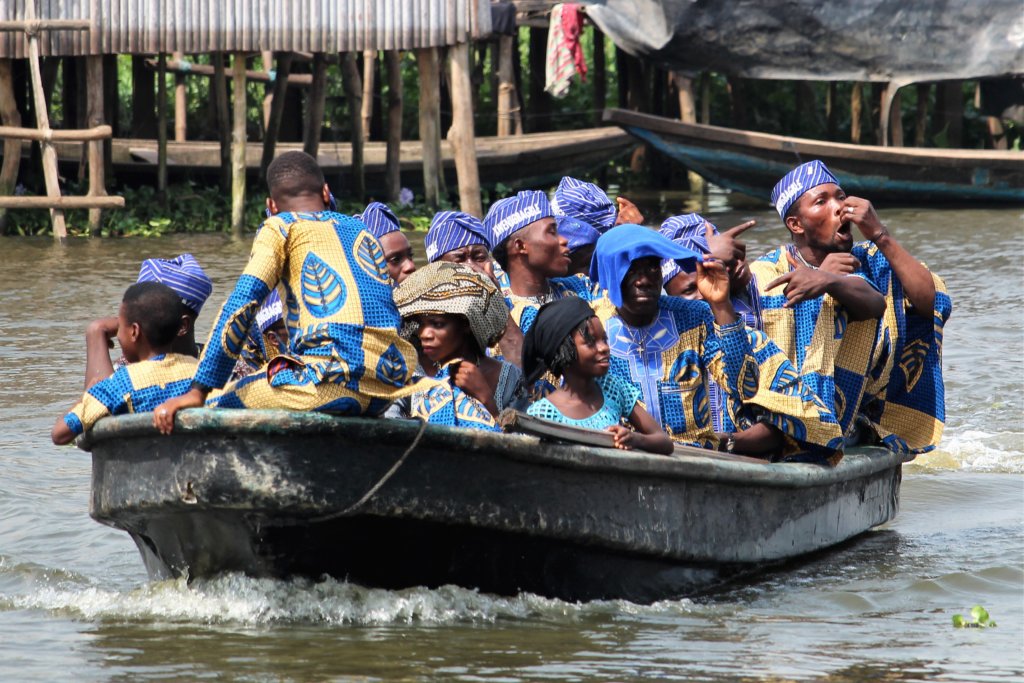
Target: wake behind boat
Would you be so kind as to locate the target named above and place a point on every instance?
(752, 163)
(395, 504)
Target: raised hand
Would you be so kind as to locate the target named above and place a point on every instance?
(628, 213)
(861, 213)
(713, 281)
(471, 380)
(726, 246)
(802, 283)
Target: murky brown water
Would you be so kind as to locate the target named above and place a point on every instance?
(75, 601)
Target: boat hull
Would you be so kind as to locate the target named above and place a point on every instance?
(752, 163)
(277, 494)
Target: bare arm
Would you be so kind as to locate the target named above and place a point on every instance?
(649, 436)
(860, 299)
(61, 434)
(511, 344)
(758, 439)
(98, 342)
(917, 281)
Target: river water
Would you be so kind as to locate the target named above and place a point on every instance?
(75, 602)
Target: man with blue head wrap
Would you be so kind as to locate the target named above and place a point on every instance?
(847, 310)
(589, 203)
(187, 279)
(581, 238)
(533, 258)
(670, 348)
(398, 254)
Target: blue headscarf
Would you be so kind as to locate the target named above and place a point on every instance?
(515, 213)
(184, 275)
(619, 247)
(585, 201)
(801, 179)
(578, 233)
(379, 219)
(451, 230)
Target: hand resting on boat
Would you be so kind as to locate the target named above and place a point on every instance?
(163, 415)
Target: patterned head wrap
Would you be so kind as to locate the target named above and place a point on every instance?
(554, 322)
(451, 230)
(577, 232)
(379, 219)
(618, 248)
(801, 179)
(445, 288)
(515, 213)
(689, 231)
(184, 275)
(585, 201)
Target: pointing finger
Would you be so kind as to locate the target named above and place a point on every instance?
(781, 280)
(738, 230)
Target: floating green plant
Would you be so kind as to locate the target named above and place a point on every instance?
(979, 618)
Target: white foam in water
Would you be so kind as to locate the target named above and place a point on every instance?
(980, 451)
(238, 599)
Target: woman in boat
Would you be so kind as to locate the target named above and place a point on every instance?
(398, 254)
(457, 313)
(458, 237)
(669, 348)
(568, 340)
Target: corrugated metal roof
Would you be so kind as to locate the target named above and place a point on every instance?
(201, 26)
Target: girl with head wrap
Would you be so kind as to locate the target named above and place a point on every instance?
(568, 340)
(457, 313)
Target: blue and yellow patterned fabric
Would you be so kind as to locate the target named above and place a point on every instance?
(673, 360)
(620, 397)
(810, 335)
(523, 309)
(446, 404)
(133, 388)
(342, 322)
(904, 401)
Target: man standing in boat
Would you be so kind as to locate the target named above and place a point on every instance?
(346, 354)
(862, 323)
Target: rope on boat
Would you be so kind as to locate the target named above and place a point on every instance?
(380, 482)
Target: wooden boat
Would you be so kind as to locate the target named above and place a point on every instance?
(530, 160)
(394, 504)
(752, 163)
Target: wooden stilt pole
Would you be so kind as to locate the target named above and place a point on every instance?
(392, 169)
(921, 114)
(180, 104)
(600, 87)
(60, 231)
(9, 116)
(315, 110)
(705, 98)
(895, 116)
(238, 147)
(161, 130)
(95, 117)
(220, 105)
(856, 107)
(277, 102)
(688, 114)
(462, 135)
(369, 73)
(353, 85)
(506, 88)
(430, 123)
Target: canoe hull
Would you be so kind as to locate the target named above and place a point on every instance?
(752, 163)
(273, 494)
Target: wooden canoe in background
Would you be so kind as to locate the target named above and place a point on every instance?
(518, 161)
(752, 163)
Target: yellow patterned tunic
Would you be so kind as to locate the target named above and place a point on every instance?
(346, 354)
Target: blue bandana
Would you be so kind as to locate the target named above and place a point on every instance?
(619, 247)
(801, 179)
(451, 230)
(379, 219)
(515, 213)
(182, 274)
(585, 201)
(577, 232)
(689, 231)
(270, 312)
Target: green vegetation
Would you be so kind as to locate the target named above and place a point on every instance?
(979, 618)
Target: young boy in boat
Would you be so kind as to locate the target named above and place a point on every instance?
(533, 257)
(148, 324)
(457, 313)
(345, 352)
(861, 322)
(398, 254)
(457, 237)
(568, 340)
(186, 277)
(669, 348)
